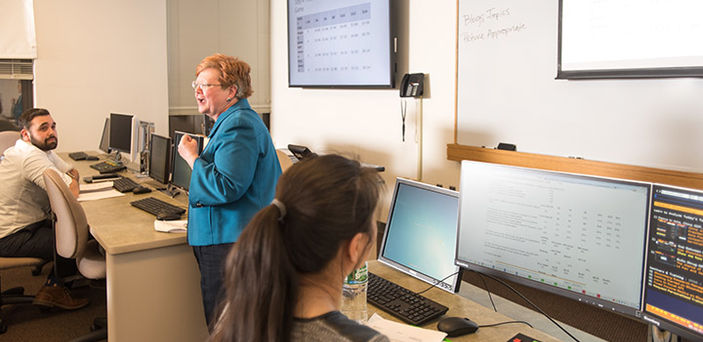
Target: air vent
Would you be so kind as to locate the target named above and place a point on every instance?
(16, 69)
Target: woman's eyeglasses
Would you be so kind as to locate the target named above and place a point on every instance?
(203, 86)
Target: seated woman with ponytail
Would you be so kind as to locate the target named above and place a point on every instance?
(284, 277)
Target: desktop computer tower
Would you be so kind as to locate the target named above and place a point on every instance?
(143, 137)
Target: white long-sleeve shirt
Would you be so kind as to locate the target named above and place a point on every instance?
(23, 197)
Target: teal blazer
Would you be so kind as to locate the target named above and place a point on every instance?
(233, 178)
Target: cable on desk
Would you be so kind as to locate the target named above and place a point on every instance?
(529, 302)
(435, 284)
(485, 286)
(508, 322)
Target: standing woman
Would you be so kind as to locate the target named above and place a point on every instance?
(233, 177)
(284, 277)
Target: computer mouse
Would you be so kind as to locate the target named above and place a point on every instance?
(457, 326)
(168, 216)
(141, 190)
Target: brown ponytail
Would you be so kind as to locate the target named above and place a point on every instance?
(327, 200)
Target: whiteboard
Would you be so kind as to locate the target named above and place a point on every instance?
(507, 92)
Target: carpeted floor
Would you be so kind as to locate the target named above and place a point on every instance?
(27, 322)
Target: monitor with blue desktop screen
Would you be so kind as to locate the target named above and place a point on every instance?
(578, 236)
(420, 234)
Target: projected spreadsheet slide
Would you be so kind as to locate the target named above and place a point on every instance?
(344, 41)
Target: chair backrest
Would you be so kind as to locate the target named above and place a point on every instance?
(7, 140)
(284, 160)
(71, 226)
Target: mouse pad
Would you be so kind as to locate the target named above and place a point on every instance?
(522, 338)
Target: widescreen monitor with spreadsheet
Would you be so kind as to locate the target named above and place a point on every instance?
(420, 234)
(582, 237)
(673, 288)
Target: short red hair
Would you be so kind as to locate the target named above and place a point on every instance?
(233, 71)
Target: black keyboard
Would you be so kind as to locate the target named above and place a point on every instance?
(155, 206)
(78, 155)
(124, 184)
(402, 303)
(108, 166)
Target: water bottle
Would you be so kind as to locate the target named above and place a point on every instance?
(354, 294)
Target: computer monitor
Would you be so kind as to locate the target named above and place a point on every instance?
(196, 124)
(105, 138)
(420, 235)
(673, 288)
(180, 170)
(122, 129)
(160, 158)
(578, 236)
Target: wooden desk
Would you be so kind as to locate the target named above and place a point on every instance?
(153, 282)
(458, 306)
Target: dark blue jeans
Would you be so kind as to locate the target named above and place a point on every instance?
(211, 261)
(37, 241)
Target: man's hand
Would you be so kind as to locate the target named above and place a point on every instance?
(75, 184)
(73, 173)
(188, 149)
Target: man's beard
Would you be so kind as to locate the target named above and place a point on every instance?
(46, 145)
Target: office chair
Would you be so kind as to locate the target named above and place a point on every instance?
(15, 295)
(7, 140)
(284, 160)
(71, 229)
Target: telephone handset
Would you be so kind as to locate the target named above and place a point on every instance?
(411, 85)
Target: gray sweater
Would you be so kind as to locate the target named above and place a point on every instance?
(333, 326)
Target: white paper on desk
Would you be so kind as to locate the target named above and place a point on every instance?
(98, 194)
(398, 332)
(93, 187)
(176, 226)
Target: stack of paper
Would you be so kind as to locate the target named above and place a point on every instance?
(177, 226)
(96, 191)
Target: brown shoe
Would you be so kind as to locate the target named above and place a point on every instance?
(59, 296)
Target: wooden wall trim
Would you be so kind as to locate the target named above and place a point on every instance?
(459, 152)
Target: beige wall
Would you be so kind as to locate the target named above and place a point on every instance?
(197, 29)
(368, 122)
(97, 57)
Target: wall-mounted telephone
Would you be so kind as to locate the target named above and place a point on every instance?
(411, 85)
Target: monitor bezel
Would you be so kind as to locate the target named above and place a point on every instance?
(451, 288)
(167, 167)
(600, 303)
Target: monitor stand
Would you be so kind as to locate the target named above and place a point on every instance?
(117, 158)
